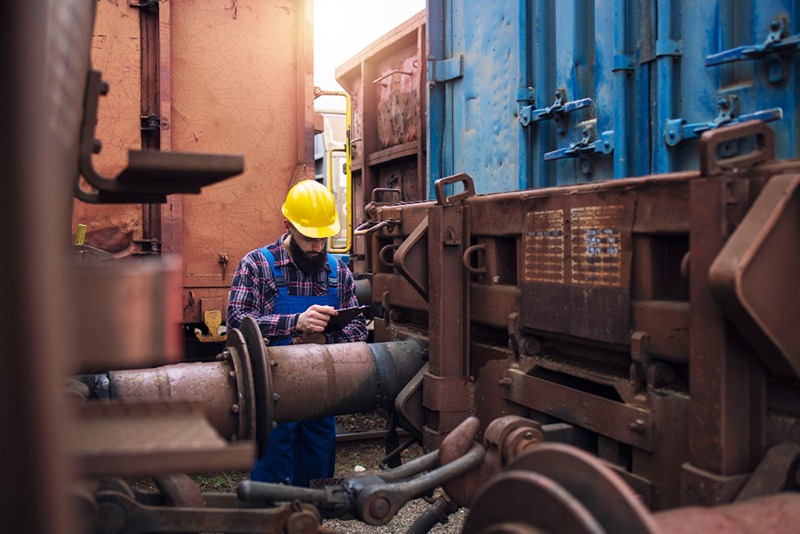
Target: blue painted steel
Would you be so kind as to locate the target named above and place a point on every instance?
(653, 69)
(525, 93)
(622, 66)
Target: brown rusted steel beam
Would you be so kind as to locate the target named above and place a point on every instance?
(622, 422)
(448, 319)
(727, 401)
(150, 46)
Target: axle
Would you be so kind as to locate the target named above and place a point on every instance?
(251, 385)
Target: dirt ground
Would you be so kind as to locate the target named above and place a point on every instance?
(351, 457)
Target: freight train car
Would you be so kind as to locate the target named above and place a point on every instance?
(223, 78)
(622, 312)
(605, 355)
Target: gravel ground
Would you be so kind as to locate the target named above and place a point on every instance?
(351, 457)
(367, 454)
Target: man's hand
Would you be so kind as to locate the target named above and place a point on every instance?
(318, 339)
(315, 318)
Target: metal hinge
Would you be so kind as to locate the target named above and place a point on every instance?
(150, 122)
(445, 69)
(147, 247)
(151, 5)
(677, 131)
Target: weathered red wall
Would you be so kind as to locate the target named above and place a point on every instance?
(234, 79)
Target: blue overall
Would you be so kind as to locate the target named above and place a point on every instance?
(299, 452)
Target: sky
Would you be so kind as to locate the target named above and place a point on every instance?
(342, 28)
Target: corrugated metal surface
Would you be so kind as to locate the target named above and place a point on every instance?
(233, 79)
(651, 69)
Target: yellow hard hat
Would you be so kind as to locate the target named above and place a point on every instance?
(311, 209)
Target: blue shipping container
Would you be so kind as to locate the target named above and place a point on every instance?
(536, 93)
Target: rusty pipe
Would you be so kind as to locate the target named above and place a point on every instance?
(208, 383)
(313, 381)
(251, 386)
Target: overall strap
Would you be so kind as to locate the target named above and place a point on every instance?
(280, 279)
(277, 272)
(333, 277)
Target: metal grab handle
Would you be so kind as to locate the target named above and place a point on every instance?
(764, 150)
(366, 228)
(465, 259)
(384, 252)
(390, 190)
(391, 72)
(469, 189)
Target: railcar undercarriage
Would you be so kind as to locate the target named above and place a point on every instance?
(598, 358)
(615, 356)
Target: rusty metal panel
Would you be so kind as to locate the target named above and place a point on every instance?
(386, 83)
(232, 79)
(118, 439)
(576, 270)
(45, 52)
(753, 277)
(116, 53)
(241, 82)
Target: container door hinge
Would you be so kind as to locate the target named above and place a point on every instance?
(774, 50)
(526, 96)
(150, 123)
(557, 111)
(151, 5)
(147, 247)
(586, 148)
(669, 47)
(677, 131)
(445, 69)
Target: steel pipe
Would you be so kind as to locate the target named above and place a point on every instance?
(251, 386)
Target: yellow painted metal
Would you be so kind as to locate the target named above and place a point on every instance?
(213, 320)
(348, 159)
(80, 234)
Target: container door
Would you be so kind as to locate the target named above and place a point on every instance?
(529, 94)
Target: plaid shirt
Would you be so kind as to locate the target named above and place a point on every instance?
(253, 292)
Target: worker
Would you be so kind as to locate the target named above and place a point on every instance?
(292, 288)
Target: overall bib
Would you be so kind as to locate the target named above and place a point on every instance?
(299, 452)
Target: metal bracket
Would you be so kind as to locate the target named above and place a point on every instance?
(669, 47)
(151, 175)
(441, 184)
(445, 69)
(150, 123)
(147, 247)
(151, 5)
(586, 148)
(556, 111)
(778, 43)
(677, 131)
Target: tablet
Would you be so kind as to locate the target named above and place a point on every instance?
(337, 322)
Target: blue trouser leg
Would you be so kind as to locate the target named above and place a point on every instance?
(316, 450)
(278, 463)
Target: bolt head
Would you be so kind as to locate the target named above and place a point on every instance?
(379, 507)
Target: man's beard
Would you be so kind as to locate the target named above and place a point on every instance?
(308, 262)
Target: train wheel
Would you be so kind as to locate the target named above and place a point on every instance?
(558, 488)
